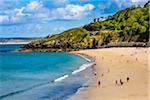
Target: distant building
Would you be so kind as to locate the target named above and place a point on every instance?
(99, 19)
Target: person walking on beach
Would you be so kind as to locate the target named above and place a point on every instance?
(95, 73)
(116, 82)
(128, 79)
(136, 58)
(99, 83)
(121, 83)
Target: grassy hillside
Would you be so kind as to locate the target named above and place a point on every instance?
(129, 25)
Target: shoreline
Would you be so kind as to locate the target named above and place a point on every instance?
(113, 62)
(91, 60)
(84, 87)
(58, 79)
(15, 42)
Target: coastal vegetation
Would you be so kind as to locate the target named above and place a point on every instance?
(128, 25)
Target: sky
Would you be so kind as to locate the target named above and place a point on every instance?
(38, 18)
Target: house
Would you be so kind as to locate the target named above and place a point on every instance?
(99, 19)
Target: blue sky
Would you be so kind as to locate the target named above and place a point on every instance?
(37, 18)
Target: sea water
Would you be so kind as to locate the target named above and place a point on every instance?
(39, 75)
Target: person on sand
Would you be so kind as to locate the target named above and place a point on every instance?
(99, 83)
(95, 73)
(136, 58)
(128, 79)
(116, 82)
(121, 83)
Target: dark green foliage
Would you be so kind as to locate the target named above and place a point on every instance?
(131, 22)
(147, 4)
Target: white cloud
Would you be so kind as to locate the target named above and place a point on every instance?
(139, 0)
(19, 11)
(128, 3)
(73, 11)
(34, 5)
(131, 0)
(65, 10)
(35, 10)
(89, 6)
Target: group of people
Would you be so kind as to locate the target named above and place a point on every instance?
(120, 82)
(117, 82)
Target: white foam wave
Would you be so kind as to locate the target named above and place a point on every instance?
(89, 60)
(61, 78)
(83, 67)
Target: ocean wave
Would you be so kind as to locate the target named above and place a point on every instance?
(83, 67)
(61, 78)
(87, 59)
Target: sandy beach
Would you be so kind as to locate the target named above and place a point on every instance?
(15, 42)
(120, 74)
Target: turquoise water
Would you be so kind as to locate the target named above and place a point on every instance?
(32, 75)
(9, 47)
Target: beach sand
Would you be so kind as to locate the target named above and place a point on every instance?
(16, 42)
(113, 64)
